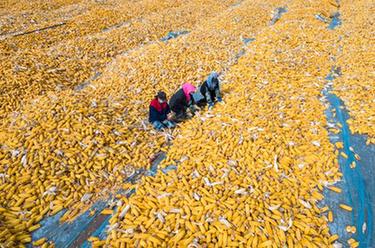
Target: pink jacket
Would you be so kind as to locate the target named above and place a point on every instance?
(188, 88)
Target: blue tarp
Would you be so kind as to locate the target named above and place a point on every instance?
(101, 231)
(357, 185)
(247, 40)
(64, 234)
(173, 35)
(278, 12)
(334, 21)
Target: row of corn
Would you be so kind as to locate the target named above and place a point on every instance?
(356, 85)
(12, 10)
(71, 145)
(81, 17)
(27, 16)
(72, 54)
(63, 148)
(250, 173)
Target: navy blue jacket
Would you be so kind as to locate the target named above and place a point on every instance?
(210, 94)
(158, 112)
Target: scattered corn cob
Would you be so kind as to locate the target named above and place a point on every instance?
(346, 207)
(351, 229)
(335, 189)
(107, 211)
(40, 242)
(330, 216)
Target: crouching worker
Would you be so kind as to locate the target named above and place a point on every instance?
(183, 100)
(160, 113)
(210, 90)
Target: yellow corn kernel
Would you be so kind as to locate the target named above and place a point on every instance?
(335, 189)
(351, 241)
(333, 238)
(39, 242)
(346, 207)
(330, 216)
(344, 155)
(107, 211)
(266, 244)
(357, 156)
(33, 228)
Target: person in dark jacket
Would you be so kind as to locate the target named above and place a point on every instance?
(160, 112)
(183, 100)
(210, 90)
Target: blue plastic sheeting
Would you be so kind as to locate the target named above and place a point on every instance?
(169, 168)
(278, 12)
(64, 234)
(155, 165)
(101, 232)
(335, 22)
(356, 187)
(173, 35)
(367, 169)
(247, 40)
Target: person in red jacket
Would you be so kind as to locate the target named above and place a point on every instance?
(160, 113)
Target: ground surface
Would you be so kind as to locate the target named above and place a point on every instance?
(76, 78)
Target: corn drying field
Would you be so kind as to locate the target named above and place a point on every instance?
(76, 79)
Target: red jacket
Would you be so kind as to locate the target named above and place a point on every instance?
(158, 112)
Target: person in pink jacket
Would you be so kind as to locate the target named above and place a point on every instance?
(183, 100)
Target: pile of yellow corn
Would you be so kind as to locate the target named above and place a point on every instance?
(68, 55)
(356, 85)
(65, 145)
(249, 173)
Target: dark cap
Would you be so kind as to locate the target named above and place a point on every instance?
(162, 96)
